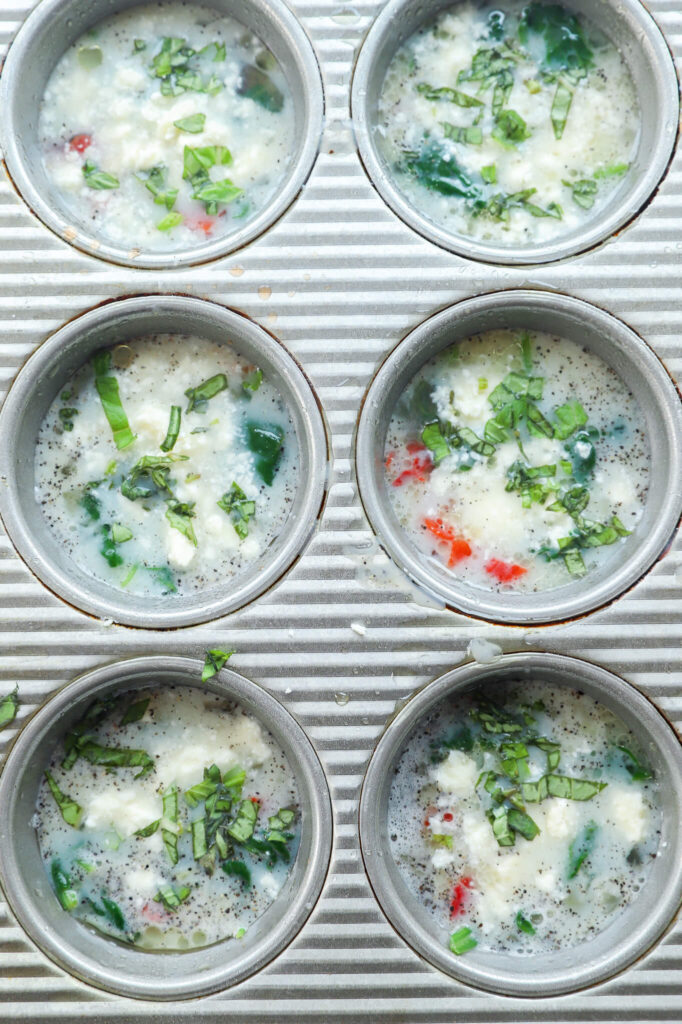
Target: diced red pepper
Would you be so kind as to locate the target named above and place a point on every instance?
(447, 816)
(414, 447)
(504, 572)
(459, 548)
(80, 142)
(389, 460)
(460, 894)
(200, 224)
(154, 913)
(419, 470)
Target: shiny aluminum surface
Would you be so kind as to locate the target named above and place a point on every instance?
(343, 638)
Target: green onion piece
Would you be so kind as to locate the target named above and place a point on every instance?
(173, 429)
(524, 925)
(239, 869)
(66, 894)
(9, 705)
(581, 848)
(170, 818)
(199, 845)
(194, 124)
(94, 178)
(213, 662)
(172, 897)
(72, 812)
(135, 712)
(107, 389)
(461, 941)
(242, 827)
(148, 830)
(201, 394)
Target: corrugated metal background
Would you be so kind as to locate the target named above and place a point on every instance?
(347, 281)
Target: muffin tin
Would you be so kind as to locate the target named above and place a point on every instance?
(344, 637)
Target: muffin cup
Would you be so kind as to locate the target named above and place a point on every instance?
(112, 965)
(54, 25)
(47, 371)
(620, 348)
(632, 932)
(629, 25)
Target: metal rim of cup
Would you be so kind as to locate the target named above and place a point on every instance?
(619, 347)
(632, 932)
(115, 966)
(637, 35)
(47, 33)
(45, 373)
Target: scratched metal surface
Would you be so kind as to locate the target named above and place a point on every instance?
(340, 280)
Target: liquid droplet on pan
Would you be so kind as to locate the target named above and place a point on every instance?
(484, 651)
(342, 698)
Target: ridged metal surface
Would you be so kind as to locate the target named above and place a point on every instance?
(347, 281)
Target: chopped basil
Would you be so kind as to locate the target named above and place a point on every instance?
(135, 712)
(522, 823)
(239, 869)
(180, 514)
(494, 68)
(499, 206)
(439, 839)
(252, 381)
(66, 894)
(164, 576)
(439, 172)
(155, 180)
(570, 417)
(561, 105)
(94, 178)
(107, 389)
(176, 64)
(108, 546)
(211, 193)
(259, 87)
(198, 160)
(240, 509)
(139, 45)
(90, 57)
(213, 662)
(470, 135)
(561, 786)
(638, 771)
(265, 441)
(435, 442)
(523, 924)
(461, 99)
(9, 705)
(110, 910)
(173, 431)
(218, 51)
(172, 897)
(199, 844)
(129, 576)
(194, 124)
(202, 790)
(612, 171)
(200, 395)
(510, 129)
(148, 830)
(489, 174)
(115, 757)
(461, 941)
(170, 826)
(94, 715)
(71, 812)
(170, 221)
(120, 534)
(584, 191)
(149, 476)
(566, 47)
(581, 848)
(66, 415)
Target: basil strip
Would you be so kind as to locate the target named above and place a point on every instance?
(213, 662)
(116, 757)
(179, 514)
(94, 178)
(135, 712)
(66, 894)
(172, 897)
(9, 705)
(107, 389)
(149, 475)
(581, 848)
(164, 576)
(240, 509)
(638, 771)
(199, 844)
(109, 909)
(522, 823)
(470, 135)
(201, 394)
(265, 441)
(194, 124)
(239, 869)
(170, 818)
(523, 924)
(561, 104)
(259, 87)
(72, 812)
(252, 381)
(148, 830)
(461, 99)
(242, 827)
(561, 786)
(461, 941)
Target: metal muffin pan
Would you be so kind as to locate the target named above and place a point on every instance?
(48, 370)
(344, 637)
(628, 25)
(622, 350)
(630, 934)
(55, 25)
(113, 965)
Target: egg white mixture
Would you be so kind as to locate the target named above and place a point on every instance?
(165, 126)
(211, 500)
(497, 860)
(517, 460)
(189, 852)
(512, 125)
